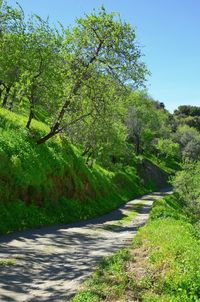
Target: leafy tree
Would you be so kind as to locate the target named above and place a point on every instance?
(167, 148)
(145, 122)
(42, 70)
(31, 64)
(102, 135)
(11, 50)
(186, 185)
(189, 140)
(187, 110)
(188, 115)
(100, 43)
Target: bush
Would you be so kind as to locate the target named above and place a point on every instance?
(168, 149)
(186, 185)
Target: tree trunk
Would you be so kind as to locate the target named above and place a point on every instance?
(6, 97)
(31, 112)
(12, 100)
(46, 138)
(137, 146)
(55, 127)
(1, 90)
(87, 149)
(31, 116)
(88, 158)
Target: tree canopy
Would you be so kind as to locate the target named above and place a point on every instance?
(87, 83)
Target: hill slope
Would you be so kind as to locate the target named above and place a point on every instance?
(51, 183)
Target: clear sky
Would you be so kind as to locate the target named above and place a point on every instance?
(167, 30)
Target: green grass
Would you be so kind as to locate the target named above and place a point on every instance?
(108, 282)
(8, 262)
(132, 213)
(127, 218)
(50, 183)
(169, 165)
(161, 265)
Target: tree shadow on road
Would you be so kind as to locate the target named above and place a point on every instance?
(51, 262)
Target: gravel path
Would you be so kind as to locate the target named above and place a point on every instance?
(52, 262)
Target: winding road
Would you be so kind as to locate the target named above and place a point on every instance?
(49, 264)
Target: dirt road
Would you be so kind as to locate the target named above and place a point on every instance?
(50, 263)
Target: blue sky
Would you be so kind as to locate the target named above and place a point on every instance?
(167, 30)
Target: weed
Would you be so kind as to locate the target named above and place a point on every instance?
(10, 262)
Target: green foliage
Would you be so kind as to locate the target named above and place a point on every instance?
(19, 216)
(173, 253)
(186, 185)
(30, 65)
(35, 191)
(145, 122)
(67, 77)
(188, 115)
(109, 281)
(78, 83)
(187, 110)
(167, 148)
(8, 261)
(162, 264)
(168, 208)
(169, 165)
(189, 140)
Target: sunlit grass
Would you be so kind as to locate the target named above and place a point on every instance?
(132, 213)
(8, 262)
(50, 183)
(161, 265)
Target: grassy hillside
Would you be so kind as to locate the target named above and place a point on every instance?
(162, 264)
(50, 183)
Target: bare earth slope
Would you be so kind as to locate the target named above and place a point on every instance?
(50, 263)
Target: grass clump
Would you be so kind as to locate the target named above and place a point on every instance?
(8, 262)
(109, 281)
(161, 265)
(132, 213)
(127, 218)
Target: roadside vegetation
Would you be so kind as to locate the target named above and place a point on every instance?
(79, 134)
(51, 184)
(7, 262)
(160, 265)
